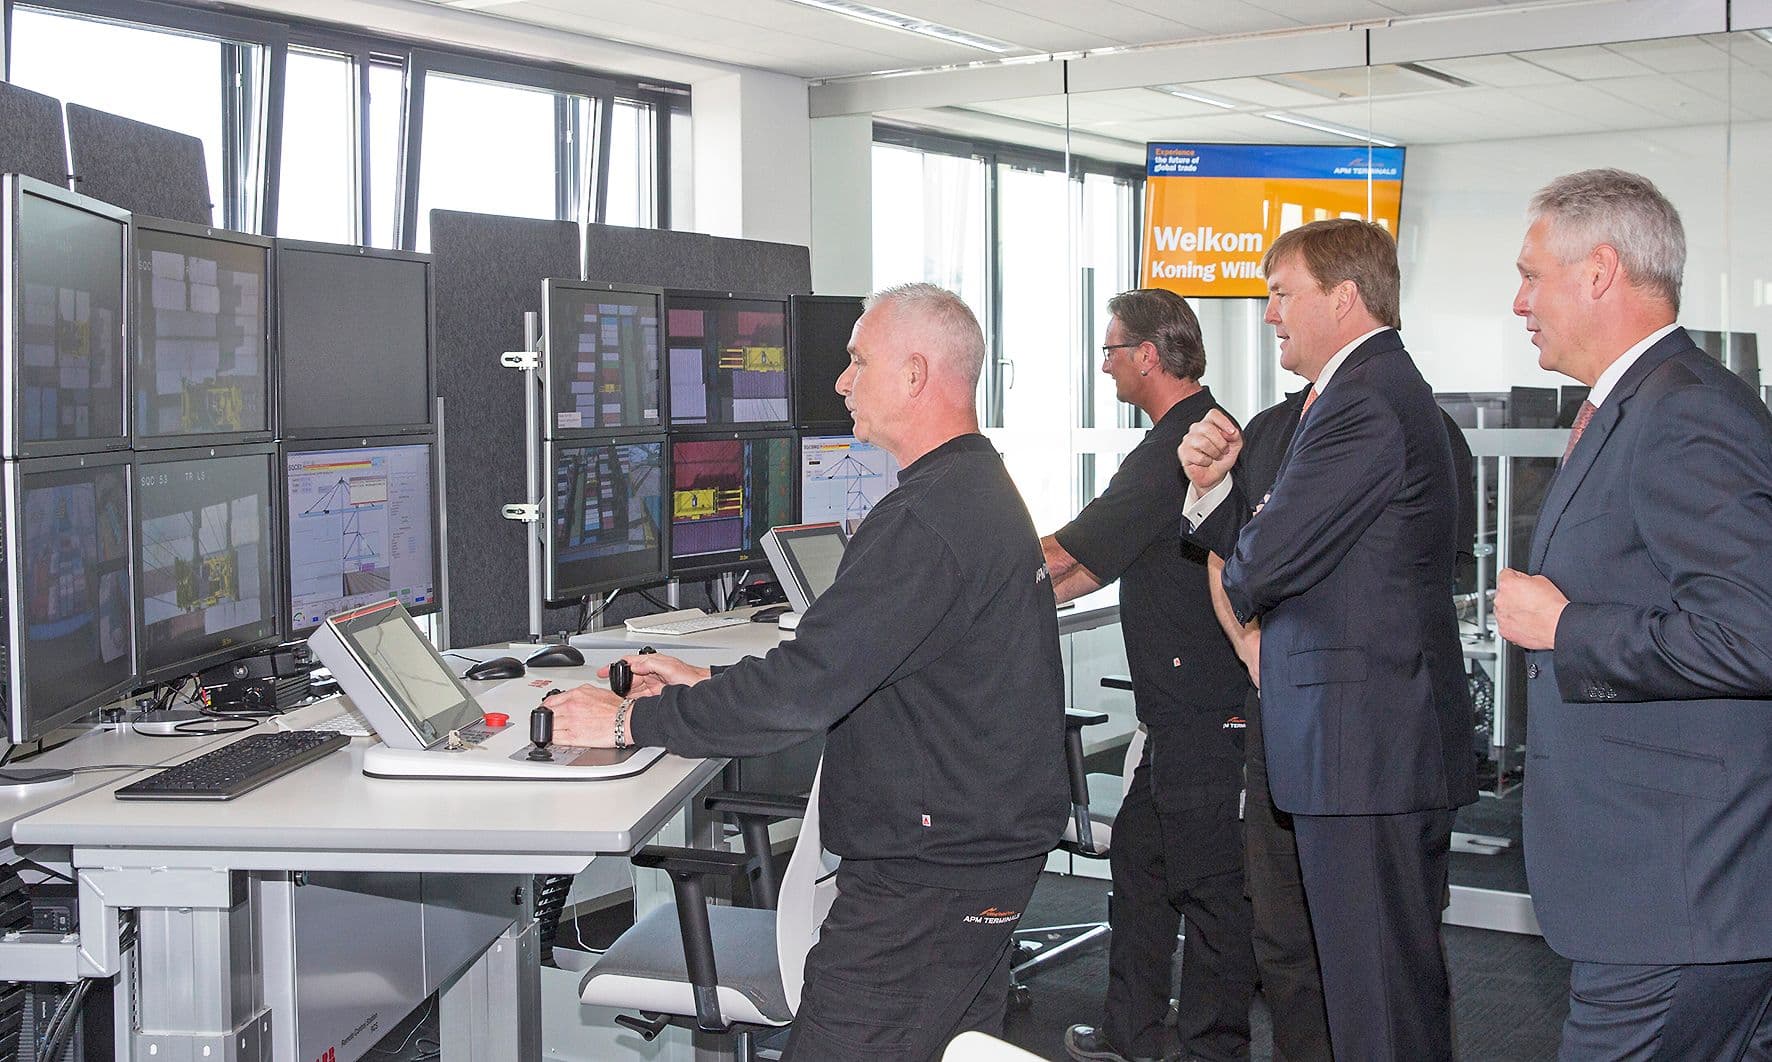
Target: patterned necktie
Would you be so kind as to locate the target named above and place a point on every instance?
(1582, 416)
(1309, 397)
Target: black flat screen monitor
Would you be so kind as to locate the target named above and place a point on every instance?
(206, 577)
(726, 491)
(66, 337)
(728, 362)
(602, 358)
(607, 514)
(69, 603)
(202, 312)
(362, 526)
(822, 325)
(354, 341)
(842, 478)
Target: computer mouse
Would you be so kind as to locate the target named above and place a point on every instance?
(558, 656)
(499, 667)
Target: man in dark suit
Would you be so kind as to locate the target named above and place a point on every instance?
(1646, 614)
(1348, 564)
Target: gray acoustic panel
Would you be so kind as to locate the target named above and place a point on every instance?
(488, 273)
(33, 140)
(692, 260)
(139, 167)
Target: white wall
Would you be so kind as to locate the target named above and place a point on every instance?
(753, 156)
(1464, 209)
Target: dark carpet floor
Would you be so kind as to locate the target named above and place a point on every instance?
(1508, 991)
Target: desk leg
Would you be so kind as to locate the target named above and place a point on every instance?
(199, 994)
(491, 1012)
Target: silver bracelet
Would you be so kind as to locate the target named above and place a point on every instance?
(621, 723)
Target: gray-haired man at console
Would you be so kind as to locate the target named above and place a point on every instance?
(931, 665)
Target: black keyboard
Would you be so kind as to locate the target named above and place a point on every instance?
(235, 769)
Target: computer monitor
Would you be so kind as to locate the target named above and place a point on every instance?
(384, 661)
(842, 478)
(726, 491)
(805, 558)
(202, 312)
(353, 341)
(69, 604)
(361, 525)
(606, 503)
(728, 360)
(206, 576)
(601, 357)
(67, 321)
(821, 326)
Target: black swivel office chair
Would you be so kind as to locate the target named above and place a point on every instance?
(1095, 800)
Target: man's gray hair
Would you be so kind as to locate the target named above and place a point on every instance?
(946, 313)
(1624, 211)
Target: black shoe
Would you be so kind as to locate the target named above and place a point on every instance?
(1086, 1043)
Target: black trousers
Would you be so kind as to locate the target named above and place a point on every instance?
(1717, 1012)
(1376, 886)
(1285, 952)
(901, 968)
(1178, 852)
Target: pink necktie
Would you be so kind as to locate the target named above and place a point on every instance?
(1582, 416)
(1309, 397)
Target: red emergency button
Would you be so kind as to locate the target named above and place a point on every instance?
(495, 720)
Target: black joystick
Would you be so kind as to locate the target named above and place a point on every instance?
(621, 677)
(541, 731)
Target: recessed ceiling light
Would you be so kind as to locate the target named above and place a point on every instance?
(1197, 96)
(1331, 128)
(879, 16)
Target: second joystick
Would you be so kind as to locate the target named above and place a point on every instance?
(541, 731)
(621, 677)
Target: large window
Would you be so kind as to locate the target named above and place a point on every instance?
(318, 198)
(178, 79)
(488, 148)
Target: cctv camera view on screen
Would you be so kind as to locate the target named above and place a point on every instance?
(608, 514)
(203, 534)
(70, 329)
(603, 359)
(73, 579)
(728, 361)
(200, 335)
(360, 529)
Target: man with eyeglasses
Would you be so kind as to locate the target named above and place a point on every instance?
(1178, 844)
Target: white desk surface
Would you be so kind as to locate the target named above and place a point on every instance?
(329, 816)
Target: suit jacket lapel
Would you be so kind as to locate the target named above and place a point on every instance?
(1593, 440)
(1380, 343)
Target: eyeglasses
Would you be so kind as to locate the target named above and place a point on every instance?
(1107, 349)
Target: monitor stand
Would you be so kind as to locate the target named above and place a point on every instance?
(168, 721)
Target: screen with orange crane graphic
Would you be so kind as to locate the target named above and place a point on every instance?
(725, 493)
(1212, 210)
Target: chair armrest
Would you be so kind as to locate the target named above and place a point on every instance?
(753, 812)
(1116, 682)
(1076, 717)
(767, 805)
(696, 862)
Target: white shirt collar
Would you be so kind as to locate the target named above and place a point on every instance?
(1335, 362)
(1615, 371)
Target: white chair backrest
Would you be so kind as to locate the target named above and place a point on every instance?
(1134, 753)
(978, 1047)
(807, 888)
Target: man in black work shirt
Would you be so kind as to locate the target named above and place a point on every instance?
(931, 665)
(1177, 845)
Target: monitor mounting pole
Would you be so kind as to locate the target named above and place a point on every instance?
(529, 511)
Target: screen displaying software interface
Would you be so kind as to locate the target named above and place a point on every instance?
(842, 479)
(200, 335)
(608, 514)
(728, 361)
(725, 493)
(69, 361)
(206, 577)
(418, 685)
(360, 529)
(604, 359)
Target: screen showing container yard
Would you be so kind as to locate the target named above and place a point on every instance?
(362, 528)
(201, 321)
(603, 359)
(608, 516)
(728, 360)
(206, 578)
(725, 493)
